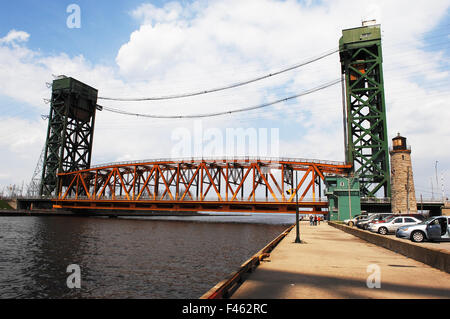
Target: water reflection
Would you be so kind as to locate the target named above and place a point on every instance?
(159, 257)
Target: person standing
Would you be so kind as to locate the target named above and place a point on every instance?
(311, 220)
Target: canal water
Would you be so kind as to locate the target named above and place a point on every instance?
(139, 257)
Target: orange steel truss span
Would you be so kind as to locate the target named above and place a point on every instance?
(226, 185)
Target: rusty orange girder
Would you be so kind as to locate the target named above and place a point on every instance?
(238, 184)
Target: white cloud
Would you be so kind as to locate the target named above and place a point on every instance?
(15, 36)
(21, 143)
(170, 13)
(183, 47)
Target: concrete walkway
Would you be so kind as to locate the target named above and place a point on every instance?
(333, 264)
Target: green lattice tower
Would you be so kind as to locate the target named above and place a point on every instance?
(70, 132)
(365, 127)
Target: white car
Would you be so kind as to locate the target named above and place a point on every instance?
(392, 224)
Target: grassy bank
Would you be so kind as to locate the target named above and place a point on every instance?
(4, 205)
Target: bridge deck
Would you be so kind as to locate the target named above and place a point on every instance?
(199, 206)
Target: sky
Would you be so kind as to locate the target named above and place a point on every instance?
(156, 48)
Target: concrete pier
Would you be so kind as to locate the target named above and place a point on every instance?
(334, 264)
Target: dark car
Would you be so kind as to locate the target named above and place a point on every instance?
(364, 223)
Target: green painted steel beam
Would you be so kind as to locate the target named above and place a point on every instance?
(70, 132)
(365, 109)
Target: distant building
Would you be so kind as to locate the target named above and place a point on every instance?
(403, 195)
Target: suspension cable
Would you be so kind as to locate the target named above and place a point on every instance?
(183, 95)
(123, 112)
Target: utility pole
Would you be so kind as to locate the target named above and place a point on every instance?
(421, 204)
(437, 182)
(432, 191)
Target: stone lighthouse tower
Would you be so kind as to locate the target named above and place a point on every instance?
(403, 197)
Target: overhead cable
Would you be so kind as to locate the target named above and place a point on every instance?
(154, 116)
(183, 95)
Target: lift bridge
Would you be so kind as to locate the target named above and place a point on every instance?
(199, 185)
(220, 184)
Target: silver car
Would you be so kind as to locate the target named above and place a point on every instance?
(433, 229)
(392, 224)
(354, 220)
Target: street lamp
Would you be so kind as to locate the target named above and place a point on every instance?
(297, 238)
(349, 199)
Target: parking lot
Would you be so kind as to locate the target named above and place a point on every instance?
(436, 245)
(391, 223)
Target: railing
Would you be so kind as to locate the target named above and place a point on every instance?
(25, 197)
(223, 159)
(430, 200)
(408, 148)
(381, 200)
(387, 200)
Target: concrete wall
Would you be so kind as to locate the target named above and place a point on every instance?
(436, 258)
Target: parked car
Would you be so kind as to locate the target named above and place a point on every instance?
(377, 220)
(391, 224)
(364, 223)
(354, 220)
(384, 219)
(418, 216)
(433, 229)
